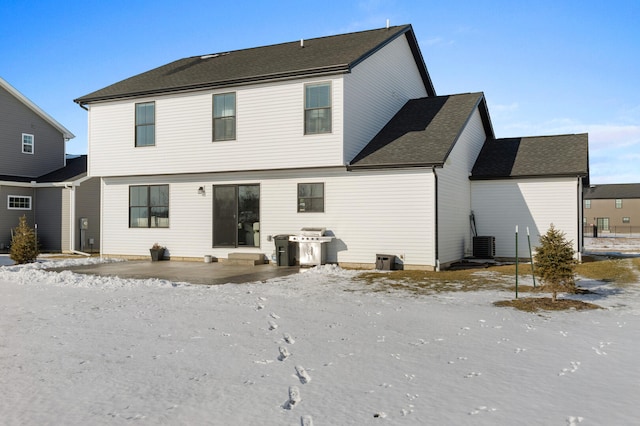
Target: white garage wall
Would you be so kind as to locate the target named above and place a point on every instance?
(500, 205)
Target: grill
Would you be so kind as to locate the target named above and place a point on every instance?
(312, 244)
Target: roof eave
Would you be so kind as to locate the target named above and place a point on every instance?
(537, 176)
(356, 167)
(333, 69)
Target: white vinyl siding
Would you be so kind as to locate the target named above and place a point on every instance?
(454, 193)
(402, 223)
(375, 90)
(269, 133)
(500, 205)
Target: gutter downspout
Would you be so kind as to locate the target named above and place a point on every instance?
(580, 221)
(435, 209)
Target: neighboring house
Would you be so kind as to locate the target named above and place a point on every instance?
(216, 154)
(37, 180)
(613, 208)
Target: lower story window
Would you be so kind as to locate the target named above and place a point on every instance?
(18, 202)
(311, 197)
(149, 206)
(626, 219)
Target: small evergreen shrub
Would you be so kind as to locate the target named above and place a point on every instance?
(24, 247)
(555, 264)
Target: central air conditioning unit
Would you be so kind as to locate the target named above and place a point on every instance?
(484, 247)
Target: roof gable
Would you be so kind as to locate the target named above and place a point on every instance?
(612, 191)
(334, 54)
(36, 109)
(422, 133)
(560, 155)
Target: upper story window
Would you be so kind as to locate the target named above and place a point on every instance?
(18, 202)
(27, 143)
(618, 203)
(224, 117)
(311, 197)
(149, 206)
(587, 204)
(626, 219)
(317, 108)
(146, 124)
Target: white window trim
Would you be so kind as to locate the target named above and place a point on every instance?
(32, 144)
(330, 107)
(9, 197)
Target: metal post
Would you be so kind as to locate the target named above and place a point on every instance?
(516, 261)
(533, 272)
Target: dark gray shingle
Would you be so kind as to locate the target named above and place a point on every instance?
(326, 54)
(612, 191)
(422, 133)
(561, 155)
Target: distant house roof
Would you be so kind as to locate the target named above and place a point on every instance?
(612, 191)
(423, 132)
(35, 108)
(76, 168)
(325, 55)
(562, 155)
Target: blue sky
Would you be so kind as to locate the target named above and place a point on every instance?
(546, 67)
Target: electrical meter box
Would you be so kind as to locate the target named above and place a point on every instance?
(84, 223)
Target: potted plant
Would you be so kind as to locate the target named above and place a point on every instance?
(157, 252)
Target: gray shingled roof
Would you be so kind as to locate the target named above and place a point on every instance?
(422, 133)
(612, 191)
(562, 155)
(75, 168)
(334, 54)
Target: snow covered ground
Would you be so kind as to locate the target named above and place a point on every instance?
(314, 348)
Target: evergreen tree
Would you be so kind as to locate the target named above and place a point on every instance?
(555, 264)
(24, 246)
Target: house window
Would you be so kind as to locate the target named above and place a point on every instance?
(587, 204)
(27, 143)
(311, 197)
(146, 124)
(18, 202)
(626, 220)
(149, 206)
(602, 223)
(224, 117)
(618, 203)
(317, 108)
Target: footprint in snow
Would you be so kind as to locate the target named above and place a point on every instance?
(302, 374)
(274, 316)
(272, 325)
(601, 346)
(306, 421)
(288, 338)
(284, 353)
(472, 374)
(518, 350)
(482, 409)
(572, 369)
(572, 420)
(294, 398)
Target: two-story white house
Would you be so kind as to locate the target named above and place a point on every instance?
(216, 154)
(37, 179)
